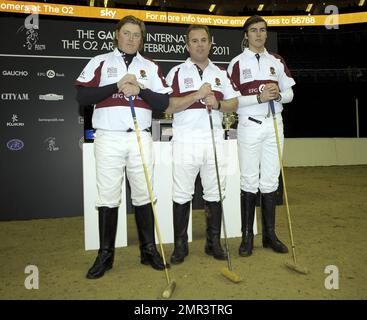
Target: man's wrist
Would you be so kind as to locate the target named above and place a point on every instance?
(198, 96)
(279, 98)
(219, 105)
(258, 97)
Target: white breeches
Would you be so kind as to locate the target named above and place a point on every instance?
(258, 155)
(188, 160)
(113, 152)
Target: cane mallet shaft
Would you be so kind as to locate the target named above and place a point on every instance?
(171, 284)
(294, 266)
(227, 272)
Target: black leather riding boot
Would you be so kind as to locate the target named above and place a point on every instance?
(270, 240)
(145, 223)
(181, 216)
(107, 234)
(213, 228)
(248, 202)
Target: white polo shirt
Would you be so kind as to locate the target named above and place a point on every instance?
(250, 76)
(192, 124)
(114, 112)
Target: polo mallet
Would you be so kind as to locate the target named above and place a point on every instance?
(293, 266)
(226, 272)
(171, 284)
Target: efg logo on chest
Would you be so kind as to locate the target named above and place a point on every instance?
(120, 95)
(111, 72)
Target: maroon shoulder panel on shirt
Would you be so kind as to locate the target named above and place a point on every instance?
(175, 86)
(95, 80)
(286, 70)
(236, 74)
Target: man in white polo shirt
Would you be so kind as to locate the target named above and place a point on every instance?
(260, 76)
(198, 84)
(107, 82)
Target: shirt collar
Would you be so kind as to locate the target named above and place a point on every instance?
(117, 53)
(189, 63)
(250, 54)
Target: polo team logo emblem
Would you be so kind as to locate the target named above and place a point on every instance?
(143, 74)
(272, 71)
(112, 72)
(246, 73)
(217, 82)
(188, 83)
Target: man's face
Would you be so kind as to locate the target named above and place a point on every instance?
(129, 38)
(198, 45)
(256, 35)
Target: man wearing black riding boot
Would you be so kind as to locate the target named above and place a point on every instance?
(145, 222)
(107, 218)
(268, 206)
(107, 82)
(192, 83)
(260, 76)
(213, 213)
(248, 202)
(181, 216)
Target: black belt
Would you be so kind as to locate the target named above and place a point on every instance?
(131, 130)
(255, 120)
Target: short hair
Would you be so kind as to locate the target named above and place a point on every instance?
(249, 22)
(197, 27)
(132, 20)
(252, 20)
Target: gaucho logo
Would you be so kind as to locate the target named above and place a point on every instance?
(15, 73)
(15, 144)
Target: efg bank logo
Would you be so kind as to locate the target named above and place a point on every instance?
(15, 73)
(15, 144)
(14, 122)
(50, 74)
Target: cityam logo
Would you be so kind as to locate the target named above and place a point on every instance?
(15, 144)
(11, 96)
(14, 122)
(50, 74)
(51, 97)
(15, 73)
(51, 144)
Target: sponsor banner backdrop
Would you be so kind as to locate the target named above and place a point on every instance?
(331, 16)
(41, 128)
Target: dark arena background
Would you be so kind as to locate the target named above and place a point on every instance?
(42, 136)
